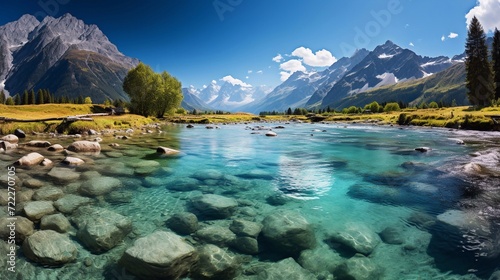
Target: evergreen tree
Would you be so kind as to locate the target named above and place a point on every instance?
(2, 97)
(40, 97)
(495, 55)
(9, 101)
(17, 99)
(478, 80)
(25, 98)
(31, 97)
(80, 100)
(289, 111)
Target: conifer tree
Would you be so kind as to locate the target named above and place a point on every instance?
(17, 99)
(40, 97)
(2, 97)
(495, 55)
(25, 98)
(31, 97)
(478, 79)
(9, 101)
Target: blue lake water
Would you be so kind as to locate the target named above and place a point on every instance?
(335, 176)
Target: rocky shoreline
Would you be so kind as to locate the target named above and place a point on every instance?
(65, 225)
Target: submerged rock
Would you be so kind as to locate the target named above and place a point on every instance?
(183, 223)
(166, 151)
(217, 235)
(391, 235)
(208, 174)
(99, 186)
(215, 206)
(184, 184)
(215, 263)
(246, 245)
(38, 144)
(245, 228)
(11, 138)
(288, 232)
(160, 255)
(63, 175)
(35, 210)
(73, 161)
(100, 229)
(48, 193)
(55, 148)
(56, 222)
(20, 133)
(286, 269)
(357, 238)
(30, 159)
(359, 268)
(21, 226)
(84, 147)
(48, 247)
(33, 183)
(70, 202)
(321, 259)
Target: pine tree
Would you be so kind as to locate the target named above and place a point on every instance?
(9, 101)
(40, 97)
(31, 97)
(17, 99)
(26, 98)
(478, 80)
(2, 97)
(495, 55)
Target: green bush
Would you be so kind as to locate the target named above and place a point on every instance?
(433, 105)
(391, 107)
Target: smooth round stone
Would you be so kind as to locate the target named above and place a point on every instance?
(359, 267)
(391, 235)
(30, 159)
(217, 235)
(55, 148)
(63, 175)
(215, 263)
(55, 222)
(48, 193)
(11, 138)
(166, 151)
(114, 154)
(183, 223)
(35, 210)
(246, 245)
(48, 247)
(90, 174)
(22, 227)
(271, 134)
(215, 206)
(119, 197)
(70, 202)
(208, 174)
(73, 161)
(33, 183)
(245, 228)
(38, 144)
(99, 186)
(84, 147)
(285, 269)
(356, 237)
(184, 184)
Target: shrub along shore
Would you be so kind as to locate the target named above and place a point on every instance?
(486, 119)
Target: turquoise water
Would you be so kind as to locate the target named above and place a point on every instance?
(334, 175)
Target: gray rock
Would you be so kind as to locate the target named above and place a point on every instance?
(24, 196)
(46, 162)
(73, 161)
(166, 151)
(218, 235)
(6, 145)
(48, 193)
(48, 247)
(19, 133)
(70, 202)
(357, 238)
(92, 132)
(33, 183)
(84, 147)
(257, 174)
(99, 186)
(56, 222)
(215, 263)
(160, 255)
(100, 229)
(63, 175)
(22, 228)
(285, 270)
(288, 231)
(11, 138)
(183, 223)
(359, 267)
(215, 206)
(55, 148)
(35, 210)
(208, 174)
(391, 235)
(183, 185)
(30, 159)
(118, 197)
(38, 144)
(245, 228)
(271, 134)
(246, 245)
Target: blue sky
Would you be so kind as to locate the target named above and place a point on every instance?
(203, 40)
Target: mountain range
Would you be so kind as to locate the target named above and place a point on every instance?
(64, 55)
(71, 58)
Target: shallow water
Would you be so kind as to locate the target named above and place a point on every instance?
(334, 175)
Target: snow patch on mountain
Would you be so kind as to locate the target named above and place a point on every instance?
(386, 56)
(387, 79)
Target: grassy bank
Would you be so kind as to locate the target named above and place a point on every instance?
(45, 111)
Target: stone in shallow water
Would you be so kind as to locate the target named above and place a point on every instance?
(84, 147)
(246, 245)
(161, 254)
(288, 232)
(99, 186)
(320, 259)
(63, 175)
(391, 235)
(245, 228)
(35, 210)
(30, 159)
(48, 193)
(48, 247)
(257, 174)
(23, 228)
(70, 202)
(286, 269)
(33, 183)
(73, 161)
(217, 235)
(100, 229)
(183, 185)
(215, 263)
(56, 222)
(166, 151)
(356, 238)
(183, 223)
(214, 206)
(207, 174)
(359, 267)
(55, 148)
(118, 197)
(11, 138)
(38, 144)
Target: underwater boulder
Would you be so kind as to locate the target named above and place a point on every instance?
(56, 222)
(215, 263)
(30, 159)
(23, 228)
(84, 147)
(214, 206)
(48, 247)
(284, 270)
(359, 267)
(183, 223)
(356, 238)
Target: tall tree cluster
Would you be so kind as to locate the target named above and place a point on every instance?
(483, 77)
(152, 93)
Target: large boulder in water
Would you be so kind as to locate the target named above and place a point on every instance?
(57, 222)
(70, 202)
(215, 206)
(22, 227)
(160, 255)
(215, 263)
(285, 270)
(84, 147)
(11, 138)
(356, 238)
(289, 232)
(97, 186)
(30, 159)
(48, 247)
(183, 223)
(359, 267)
(101, 229)
(35, 210)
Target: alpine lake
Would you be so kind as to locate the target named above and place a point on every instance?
(318, 201)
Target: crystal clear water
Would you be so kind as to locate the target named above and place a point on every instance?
(335, 176)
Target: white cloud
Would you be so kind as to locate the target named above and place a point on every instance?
(487, 12)
(321, 58)
(234, 81)
(278, 58)
(443, 38)
(250, 71)
(260, 72)
(411, 44)
(204, 86)
(214, 82)
(247, 77)
(291, 66)
(453, 35)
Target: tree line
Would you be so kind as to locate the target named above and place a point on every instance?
(482, 66)
(42, 96)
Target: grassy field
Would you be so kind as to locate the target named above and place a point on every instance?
(45, 111)
(443, 117)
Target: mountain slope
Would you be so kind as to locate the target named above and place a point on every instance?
(64, 55)
(191, 100)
